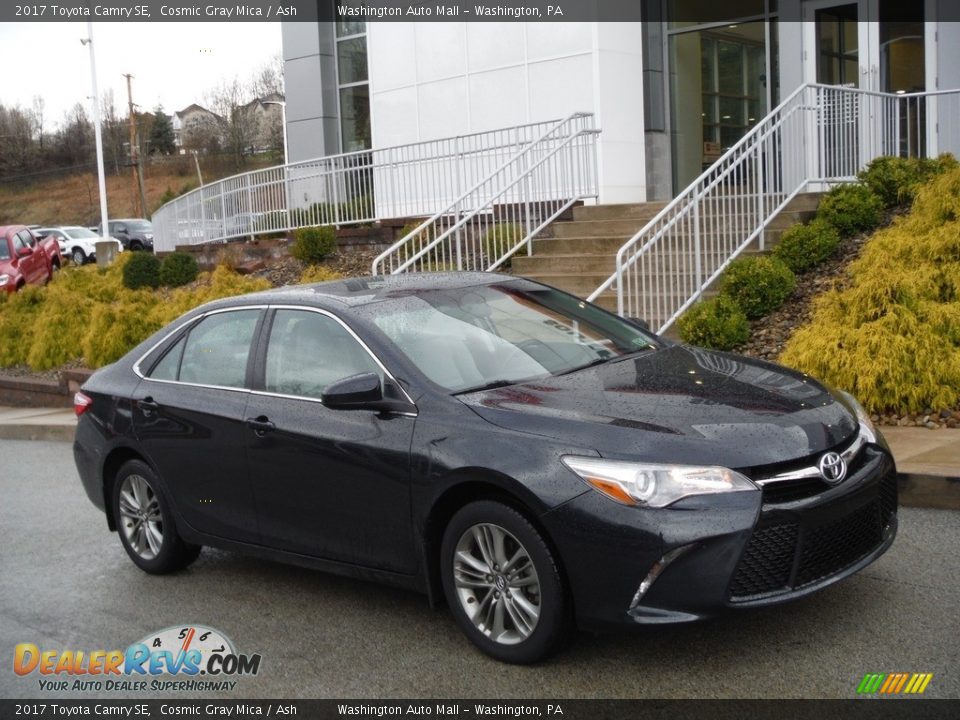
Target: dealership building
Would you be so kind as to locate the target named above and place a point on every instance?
(670, 94)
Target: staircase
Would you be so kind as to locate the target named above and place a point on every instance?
(578, 255)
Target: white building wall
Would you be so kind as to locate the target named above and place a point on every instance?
(435, 80)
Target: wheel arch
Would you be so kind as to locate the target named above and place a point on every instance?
(464, 487)
(111, 466)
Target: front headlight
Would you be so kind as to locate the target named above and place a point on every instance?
(652, 485)
(866, 424)
(4, 279)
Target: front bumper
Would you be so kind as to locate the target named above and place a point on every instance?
(711, 554)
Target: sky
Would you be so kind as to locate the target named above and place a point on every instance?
(173, 64)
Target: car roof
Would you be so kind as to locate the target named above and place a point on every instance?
(5, 229)
(354, 292)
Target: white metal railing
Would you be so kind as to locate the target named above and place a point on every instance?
(497, 216)
(820, 135)
(413, 180)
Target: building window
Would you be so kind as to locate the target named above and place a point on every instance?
(353, 85)
(723, 77)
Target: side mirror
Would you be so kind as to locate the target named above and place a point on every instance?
(24, 252)
(363, 392)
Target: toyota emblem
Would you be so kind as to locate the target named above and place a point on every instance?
(832, 468)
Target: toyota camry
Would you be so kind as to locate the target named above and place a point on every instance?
(531, 460)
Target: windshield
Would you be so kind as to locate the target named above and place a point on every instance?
(139, 225)
(470, 338)
(78, 233)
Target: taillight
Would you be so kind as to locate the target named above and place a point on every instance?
(81, 403)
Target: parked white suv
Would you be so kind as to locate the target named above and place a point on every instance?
(77, 243)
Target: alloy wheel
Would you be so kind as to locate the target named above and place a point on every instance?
(497, 584)
(141, 519)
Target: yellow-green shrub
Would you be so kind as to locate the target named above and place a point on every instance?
(892, 337)
(87, 313)
(318, 273)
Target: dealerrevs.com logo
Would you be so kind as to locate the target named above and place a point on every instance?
(179, 658)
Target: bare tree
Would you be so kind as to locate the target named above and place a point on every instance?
(239, 126)
(39, 105)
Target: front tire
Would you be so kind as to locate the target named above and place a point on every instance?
(503, 583)
(78, 256)
(145, 522)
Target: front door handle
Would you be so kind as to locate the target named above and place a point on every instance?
(261, 425)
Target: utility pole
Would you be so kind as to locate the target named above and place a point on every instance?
(136, 165)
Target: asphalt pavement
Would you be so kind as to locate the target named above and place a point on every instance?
(66, 583)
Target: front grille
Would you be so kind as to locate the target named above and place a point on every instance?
(888, 498)
(838, 545)
(767, 561)
(784, 491)
(790, 490)
(789, 555)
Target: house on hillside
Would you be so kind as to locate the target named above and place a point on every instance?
(196, 128)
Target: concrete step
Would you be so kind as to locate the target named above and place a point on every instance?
(571, 263)
(620, 211)
(577, 245)
(597, 228)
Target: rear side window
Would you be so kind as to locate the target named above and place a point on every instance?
(215, 352)
(4, 249)
(308, 351)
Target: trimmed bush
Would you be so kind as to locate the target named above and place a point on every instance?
(895, 180)
(851, 208)
(142, 270)
(178, 269)
(892, 337)
(759, 285)
(312, 244)
(500, 238)
(718, 324)
(805, 246)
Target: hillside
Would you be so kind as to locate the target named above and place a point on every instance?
(74, 200)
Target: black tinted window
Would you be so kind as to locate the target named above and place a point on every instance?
(217, 349)
(308, 351)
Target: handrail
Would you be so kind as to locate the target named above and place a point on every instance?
(818, 136)
(407, 180)
(467, 234)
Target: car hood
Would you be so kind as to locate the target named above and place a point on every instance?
(679, 404)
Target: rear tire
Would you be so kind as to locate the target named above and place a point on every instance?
(145, 522)
(503, 583)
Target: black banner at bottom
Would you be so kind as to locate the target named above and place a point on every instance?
(855, 709)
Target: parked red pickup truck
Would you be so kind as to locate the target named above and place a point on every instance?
(24, 259)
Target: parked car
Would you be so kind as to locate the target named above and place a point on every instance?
(77, 243)
(134, 233)
(528, 456)
(25, 260)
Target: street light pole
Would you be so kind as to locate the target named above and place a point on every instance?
(88, 41)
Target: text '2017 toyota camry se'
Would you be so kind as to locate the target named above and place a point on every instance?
(537, 462)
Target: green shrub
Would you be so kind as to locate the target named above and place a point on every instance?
(141, 270)
(500, 238)
(759, 285)
(892, 337)
(895, 180)
(178, 269)
(805, 246)
(313, 244)
(718, 324)
(851, 208)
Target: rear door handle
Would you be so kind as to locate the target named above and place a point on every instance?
(148, 405)
(261, 425)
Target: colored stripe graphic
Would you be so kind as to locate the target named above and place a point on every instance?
(894, 683)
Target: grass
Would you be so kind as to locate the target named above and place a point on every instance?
(75, 200)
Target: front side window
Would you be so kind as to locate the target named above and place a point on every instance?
(308, 351)
(215, 352)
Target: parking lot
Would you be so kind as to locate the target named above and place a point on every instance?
(67, 584)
